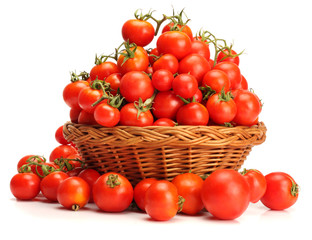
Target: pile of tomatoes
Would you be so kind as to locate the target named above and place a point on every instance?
(178, 81)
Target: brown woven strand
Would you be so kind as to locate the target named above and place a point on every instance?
(163, 152)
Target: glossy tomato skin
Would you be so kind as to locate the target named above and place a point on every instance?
(217, 80)
(71, 92)
(243, 84)
(151, 56)
(103, 70)
(185, 85)
(25, 186)
(168, 62)
(282, 191)
(112, 198)
(164, 122)
(185, 28)
(74, 114)
(162, 80)
(135, 85)
(128, 116)
(222, 57)
(193, 113)
(87, 97)
(201, 48)
(162, 200)
(225, 194)
(189, 186)
(140, 190)
(24, 159)
(138, 31)
(106, 115)
(114, 81)
(59, 136)
(90, 176)
(62, 151)
(174, 42)
(232, 71)
(50, 184)
(86, 118)
(257, 184)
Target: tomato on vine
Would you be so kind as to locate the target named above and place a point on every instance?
(102, 69)
(132, 115)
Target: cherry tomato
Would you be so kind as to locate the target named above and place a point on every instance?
(243, 84)
(71, 92)
(193, 113)
(183, 28)
(74, 172)
(257, 184)
(153, 54)
(62, 151)
(198, 96)
(185, 85)
(162, 80)
(90, 176)
(25, 186)
(114, 81)
(168, 62)
(201, 48)
(140, 190)
(135, 85)
(138, 31)
(103, 70)
(217, 80)
(50, 183)
(24, 159)
(73, 193)
(129, 116)
(225, 194)
(189, 186)
(232, 71)
(175, 42)
(87, 97)
(106, 115)
(282, 191)
(162, 200)
(86, 118)
(223, 56)
(60, 137)
(164, 122)
(112, 192)
(74, 114)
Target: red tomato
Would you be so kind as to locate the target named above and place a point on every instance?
(257, 184)
(248, 107)
(243, 84)
(62, 151)
(103, 70)
(135, 85)
(71, 92)
(162, 80)
(221, 107)
(166, 105)
(193, 113)
(282, 191)
(90, 176)
(74, 114)
(225, 194)
(87, 97)
(24, 159)
(185, 85)
(114, 81)
(73, 193)
(168, 62)
(86, 118)
(164, 122)
(232, 71)
(174, 42)
(189, 186)
(140, 190)
(74, 172)
(162, 200)
(195, 65)
(112, 192)
(60, 137)
(223, 56)
(25, 186)
(201, 48)
(138, 31)
(217, 80)
(106, 115)
(139, 62)
(185, 28)
(129, 116)
(50, 183)
(154, 52)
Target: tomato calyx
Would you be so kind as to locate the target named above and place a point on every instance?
(113, 180)
(207, 91)
(144, 106)
(180, 203)
(294, 190)
(177, 20)
(74, 77)
(224, 97)
(129, 51)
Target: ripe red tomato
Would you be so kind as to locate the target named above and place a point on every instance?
(135, 85)
(166, 105)
(243, 84)
(112, 192)
(200, 48)
(183, 28)
(74, 114)
(217, 80)
(139, 62)
(168, 62)
(164, 122)
(189, 186)
(106, 115)
(138, 31)
(50, 184)
(62, 151)
(162, 200)
(140, 190)
(248, 107)
(86, 118)
(129, 116)
(175, 42)
(24, 159)
(257, 184)
(90, 176)
(282, 191)
(25, 186)
(114, 81)
(87, 97)
(198, 96)
(71, 92)
(195, 65)
(193, 113)
(59, 136)
(225, 194)
(232, 71)
(103, 70)
(162, 80)
(154, 52)
(223, 57)
(73, 193)
(185, 85)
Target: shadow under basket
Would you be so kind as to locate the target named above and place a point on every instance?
(163, 152)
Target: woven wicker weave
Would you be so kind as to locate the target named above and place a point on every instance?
(163, 152)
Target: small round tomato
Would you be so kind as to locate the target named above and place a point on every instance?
(183, 28)
(106, 115)
(198, 96)
(112, 192)
(257, 184)
(90, 176)
(175, 42)
(282, 191)
(162, 200)
(217, 80)
(86, 118)
(243, 84)
(225, 194)
(87, 97)
(153, 54)
(74, 114)
(103, 70)
(232, 71)
(71, 92)
(34, 158)
(201, 48)
(185, 85)
(193, 113)
(25, 186)
(62, 151)
(73, 193)
(140, 190)
(138, 31)
(129, 116)
(162, 80)
(50, 184)
(114, 81)
(189, 186)
(168, 62)
(59, 136)
(165, 122)
(223, 56)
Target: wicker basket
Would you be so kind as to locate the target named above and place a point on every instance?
(163, 152)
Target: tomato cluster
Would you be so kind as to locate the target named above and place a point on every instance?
(178, 81)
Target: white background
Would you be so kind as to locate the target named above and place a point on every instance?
(42, 41)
